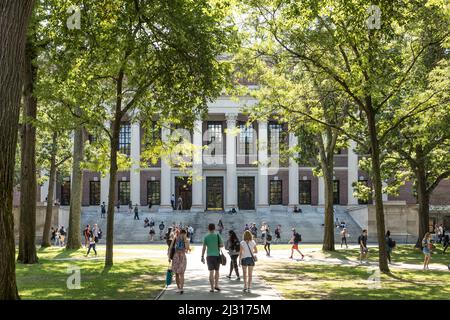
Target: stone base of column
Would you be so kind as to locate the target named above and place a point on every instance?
(165, 208)
(197, 208)
(262, 209)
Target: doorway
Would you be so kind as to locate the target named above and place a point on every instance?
(183, 188)
(246, 193)
(214, 193)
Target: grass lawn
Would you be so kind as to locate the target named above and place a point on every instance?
(297, 280)
(127, 279)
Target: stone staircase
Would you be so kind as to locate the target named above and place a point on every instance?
(308, 223)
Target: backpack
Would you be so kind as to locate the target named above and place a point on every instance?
(136, 209)
(297, 237)
(179, 245)
(100, 232)
(269, 237)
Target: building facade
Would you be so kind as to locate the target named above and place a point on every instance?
(233, 166)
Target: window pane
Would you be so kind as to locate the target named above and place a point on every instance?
(65, 193)
(124, 192)
(336, 192)
(214, 138)
(153, 192)
(305, 191)
(275, 192)
(125, 139)
(246, 139)
(94, 193)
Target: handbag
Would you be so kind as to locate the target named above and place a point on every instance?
(253, 257)
(223, 259)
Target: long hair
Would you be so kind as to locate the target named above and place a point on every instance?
(426, 236)
(233, 236)
(247, 236)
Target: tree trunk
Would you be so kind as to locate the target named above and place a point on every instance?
(423, 197)
(28, 182)
(378, 190)
(74, 232)
(14, 17)
(113, 171)
(112, 193)
(51, 187)
(328, 236)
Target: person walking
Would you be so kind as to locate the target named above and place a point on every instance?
(136, 212)
(363, 251)
(267, 240)
(344, 235)
(445, 242)
(172, 201)
(86, 234)
(118, 206)
(234, 249)
(295, 240)
(254, 231)
(220, 227)
(103, 210)
(212, 243)
(263, 231)
(53, 233)
(152, 233)
(278, 233)
(95, 233)
(247, 259)
(161, 230)
(390, 244)
(91, 245)
(180, 203)
(191, 234)
(130, 208)
(62, 236)
(427, 245)
(179, 261)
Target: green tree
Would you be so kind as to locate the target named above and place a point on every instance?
(367, 57)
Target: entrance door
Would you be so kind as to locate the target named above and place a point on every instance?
(183, 188)
(246, 193)
(214, 193)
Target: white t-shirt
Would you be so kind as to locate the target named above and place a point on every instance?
(247, 253)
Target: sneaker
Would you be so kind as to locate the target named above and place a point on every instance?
(238, 279)
(245, 290)
(218, 289)
(229, 277)
(303, 256)
(249, 291)
(290, 257)
(181, 292)
(212, 290)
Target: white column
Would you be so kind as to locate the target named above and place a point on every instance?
(352, 172)
(44, 187)
(135, 155)
(197, 168)
(104, 189)
(231, 195)
(165, 177)
(321, 187)
(385, 195)
(293, 174)
(263, 179)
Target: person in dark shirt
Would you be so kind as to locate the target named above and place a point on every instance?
(362, 240)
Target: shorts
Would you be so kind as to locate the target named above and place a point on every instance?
(213, 263)
(248, 262)
(426, 251)
(363, 250)
(295, 246)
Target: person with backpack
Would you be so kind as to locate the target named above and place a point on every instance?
(427, 245)
(212, 243)
(254, 231)
(267, 241)
(247, 259)
(295, 240)
(179, 261)
(390, 245)
(91, 245)
(103, 210)
(233, 248)
(152, 233)
(362, 241)
(62, 236)
(95, 233)
(278, 233)
(344, 235)
(161, 230)
(136, 212)
(86, 234)
(191, 234)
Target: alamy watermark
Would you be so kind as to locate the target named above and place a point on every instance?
(74, 280)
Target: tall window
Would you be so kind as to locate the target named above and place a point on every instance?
(94, 193)
(153, 192)
(275, 132)
(304, 187)
(336, 192)
(125, 139)
(92, 138)
(124, 192)
(215, 138)
(276, 192)
(246, 139)
(65, 193)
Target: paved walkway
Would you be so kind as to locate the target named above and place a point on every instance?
(197, 284)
